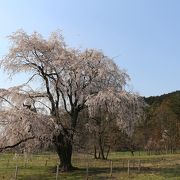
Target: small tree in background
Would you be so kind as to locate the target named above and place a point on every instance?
(111, 114)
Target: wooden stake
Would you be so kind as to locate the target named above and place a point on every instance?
(57, 171)
(111, 168)
(139, 165)
(46, 162)
(128, 167)
(87, 171)
(16, 173)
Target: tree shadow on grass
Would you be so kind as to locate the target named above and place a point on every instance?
(166, 172)
(171, 172)
(97, 173)
(104, 173)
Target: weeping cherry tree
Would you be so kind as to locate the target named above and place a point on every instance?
(60, 80)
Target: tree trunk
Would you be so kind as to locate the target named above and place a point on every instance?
(107, 154)
(95, 153)
(101, 149)
(63, 143)
(64, 150)
(132, 152)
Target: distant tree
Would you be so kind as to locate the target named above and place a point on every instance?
(61, 80)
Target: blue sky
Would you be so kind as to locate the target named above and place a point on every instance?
(143, 36)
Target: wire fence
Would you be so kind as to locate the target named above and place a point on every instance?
(13, 167)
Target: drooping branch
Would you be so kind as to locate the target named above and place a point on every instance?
(6, 100)
(16, 144)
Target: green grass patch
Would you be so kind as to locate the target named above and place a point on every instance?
(43, 167)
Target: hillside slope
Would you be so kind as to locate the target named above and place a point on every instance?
(161, 128)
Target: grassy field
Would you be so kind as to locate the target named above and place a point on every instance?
(43, 167)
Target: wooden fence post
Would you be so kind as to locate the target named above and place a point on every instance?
(111, 168)
(16, 173)
(57, 171)
(87, 171)
(139, 165)
(128, 167)
(46, 162)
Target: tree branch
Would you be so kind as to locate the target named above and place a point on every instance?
(16, 144)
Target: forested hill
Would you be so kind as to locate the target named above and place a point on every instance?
(161, 128)
(171, 101)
